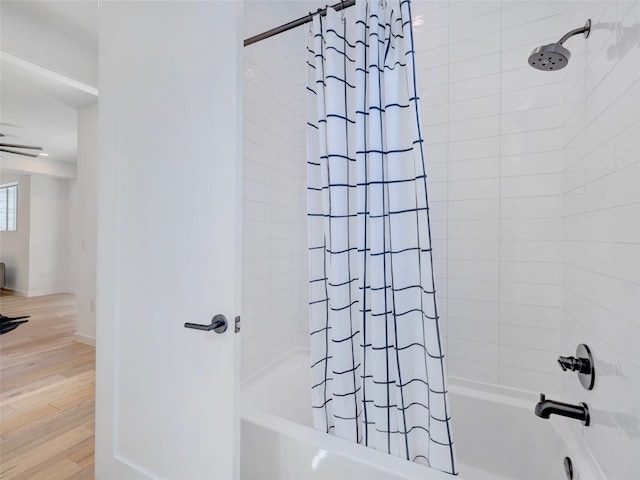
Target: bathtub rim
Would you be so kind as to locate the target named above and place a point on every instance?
(338, 446)
(341, 447)
(583, 461)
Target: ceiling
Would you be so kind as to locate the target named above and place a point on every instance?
(39, 106)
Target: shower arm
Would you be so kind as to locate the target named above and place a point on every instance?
(586, 30)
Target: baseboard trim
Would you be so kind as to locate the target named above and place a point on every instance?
(84, 339)
(51, 291)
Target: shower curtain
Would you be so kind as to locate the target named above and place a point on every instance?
(377, 364)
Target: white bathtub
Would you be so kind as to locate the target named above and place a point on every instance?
(496, 435)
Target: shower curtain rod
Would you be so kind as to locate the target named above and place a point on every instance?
(296, 23)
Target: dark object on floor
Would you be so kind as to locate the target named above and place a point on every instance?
(4, 319)
(8, 324)
(6, 327)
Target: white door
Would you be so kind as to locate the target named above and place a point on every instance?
(169, 239)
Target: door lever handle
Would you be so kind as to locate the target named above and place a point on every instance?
(218, 324)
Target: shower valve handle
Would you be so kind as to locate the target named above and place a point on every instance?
(582, 364)
(574, 364)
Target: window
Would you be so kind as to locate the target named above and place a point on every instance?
(8, 207)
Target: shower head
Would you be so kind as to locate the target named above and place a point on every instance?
(554, 56)
(549, 57)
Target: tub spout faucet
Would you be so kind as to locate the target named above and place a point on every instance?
(545, 408)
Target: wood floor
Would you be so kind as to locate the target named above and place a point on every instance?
(47, 384)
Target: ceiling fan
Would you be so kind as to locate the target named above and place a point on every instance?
(10, 148)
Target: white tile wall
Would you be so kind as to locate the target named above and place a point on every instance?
(274, 317)
(540, 220)
(601, 228)
(499, 181)
(535, 200)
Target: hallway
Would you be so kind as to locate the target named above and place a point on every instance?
(47, 392)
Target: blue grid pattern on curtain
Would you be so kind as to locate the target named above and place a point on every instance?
(378, 375)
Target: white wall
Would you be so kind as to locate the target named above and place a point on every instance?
(494, 155)
(535, 201)
(274, 251)
(36, 255)
(83, 216)
(14, 246)
(601, 228)
(535, 189)
(49, 236)
(494, 159)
